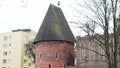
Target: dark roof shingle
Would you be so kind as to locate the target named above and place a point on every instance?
(54, 27)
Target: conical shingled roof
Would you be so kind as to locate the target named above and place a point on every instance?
(54, 27)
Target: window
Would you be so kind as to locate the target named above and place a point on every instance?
(49, 65)
(40, 55)
(9, 44)
(56, 55)
(29, 56)
(25, 53)
(25, 61)
(5, 45)
(5, 53)
(4, 61)
(5, 38)
(29, 64)
(9, 52)
(25, 46)
(64, 65)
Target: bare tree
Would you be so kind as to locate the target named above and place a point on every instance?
(30, 49)
(103, 13)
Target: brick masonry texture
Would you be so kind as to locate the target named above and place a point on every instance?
(54, 54)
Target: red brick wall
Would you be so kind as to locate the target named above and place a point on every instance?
(54, 54)
(93, 60)
(86, 58)
(71, 67)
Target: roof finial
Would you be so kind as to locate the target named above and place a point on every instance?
(58, 3)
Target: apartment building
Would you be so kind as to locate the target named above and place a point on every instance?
(12, 49)
(85, 55)
(89, 53)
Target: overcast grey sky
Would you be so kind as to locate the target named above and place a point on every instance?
(20, 14)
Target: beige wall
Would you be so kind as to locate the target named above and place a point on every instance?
(15, 49)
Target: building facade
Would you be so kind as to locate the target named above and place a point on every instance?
(89, 53)
(85, 47)
(12, 49)
(85, 55)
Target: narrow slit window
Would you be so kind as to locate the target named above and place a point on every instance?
(56, 55)
(49, 65)
(40, 55)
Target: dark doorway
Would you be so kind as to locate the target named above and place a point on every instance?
(49, 65)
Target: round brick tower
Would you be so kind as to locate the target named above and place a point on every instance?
(54, 41)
